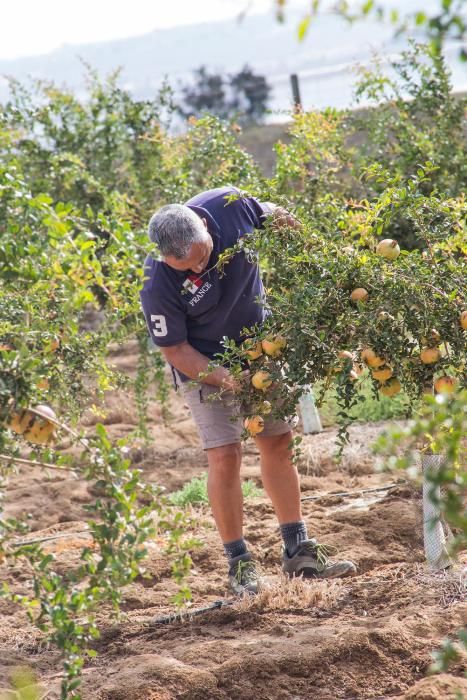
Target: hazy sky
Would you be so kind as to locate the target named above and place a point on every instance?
(30, 27)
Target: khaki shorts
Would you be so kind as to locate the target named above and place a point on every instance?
(220, 420)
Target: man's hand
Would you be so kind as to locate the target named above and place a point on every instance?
(196, 366)
(284, 219)
(235, 384)
(281, 218)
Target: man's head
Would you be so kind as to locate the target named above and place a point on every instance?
(182, 237)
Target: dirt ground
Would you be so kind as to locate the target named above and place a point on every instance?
(368, 637)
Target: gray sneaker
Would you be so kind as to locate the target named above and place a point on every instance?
(243, 575)
(311, 560)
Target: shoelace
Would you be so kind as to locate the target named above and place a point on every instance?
(246, 572)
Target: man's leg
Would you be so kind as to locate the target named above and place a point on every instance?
(220, 437)
(301, 556)
(226, 499)
(280, 476)
(225, 490)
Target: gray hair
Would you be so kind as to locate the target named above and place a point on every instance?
(174, 228)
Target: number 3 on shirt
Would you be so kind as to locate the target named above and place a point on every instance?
(160, 325)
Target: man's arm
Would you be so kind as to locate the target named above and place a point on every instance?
(281, 217)
(192, 364)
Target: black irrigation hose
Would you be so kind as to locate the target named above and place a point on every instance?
(187, 615)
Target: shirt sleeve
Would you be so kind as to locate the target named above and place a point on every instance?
(165, 319)
(257, 210)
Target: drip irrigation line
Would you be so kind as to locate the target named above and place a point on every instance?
(35, 463)
(187, 615)
(58, 536)
(387, 487)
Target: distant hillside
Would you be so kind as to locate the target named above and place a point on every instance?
(323, 61)
(270, 48)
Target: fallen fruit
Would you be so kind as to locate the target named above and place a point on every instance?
(359, 294)
(463, 320)
(388, 248)
(430, 355)
(392, 387)
(274, 346)
(445, 385)
(254, 425)
(261, 380)
(345, 355)
(383, 374)
(370, 358)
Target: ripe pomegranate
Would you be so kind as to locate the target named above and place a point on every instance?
(34, 428)
(274, 346)
(359, 294)
(370, 358)
(445, 384)
(254, 425)
(388, 248)
(382, 374)
(430, 355)
(19, 421)
(392, 387)
(261, 380)
(253, 350)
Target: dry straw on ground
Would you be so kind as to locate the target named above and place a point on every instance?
(282, 593)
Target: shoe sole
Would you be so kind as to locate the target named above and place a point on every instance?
(341, 570)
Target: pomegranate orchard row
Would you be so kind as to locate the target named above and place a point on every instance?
(78, 183)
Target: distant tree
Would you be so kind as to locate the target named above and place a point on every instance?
(205, 94)
(243, 95)
(250, 94)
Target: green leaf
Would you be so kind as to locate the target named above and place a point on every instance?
(303, 27)
(420, 18)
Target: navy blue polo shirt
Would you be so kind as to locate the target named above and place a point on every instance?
(203, 308)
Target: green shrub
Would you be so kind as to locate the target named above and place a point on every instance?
(196, 491)
(373, 407)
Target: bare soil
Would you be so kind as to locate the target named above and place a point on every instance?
(367, 637)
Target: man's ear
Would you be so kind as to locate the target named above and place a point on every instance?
(205, 223)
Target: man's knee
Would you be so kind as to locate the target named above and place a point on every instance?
(225, 460)
(275, 443)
